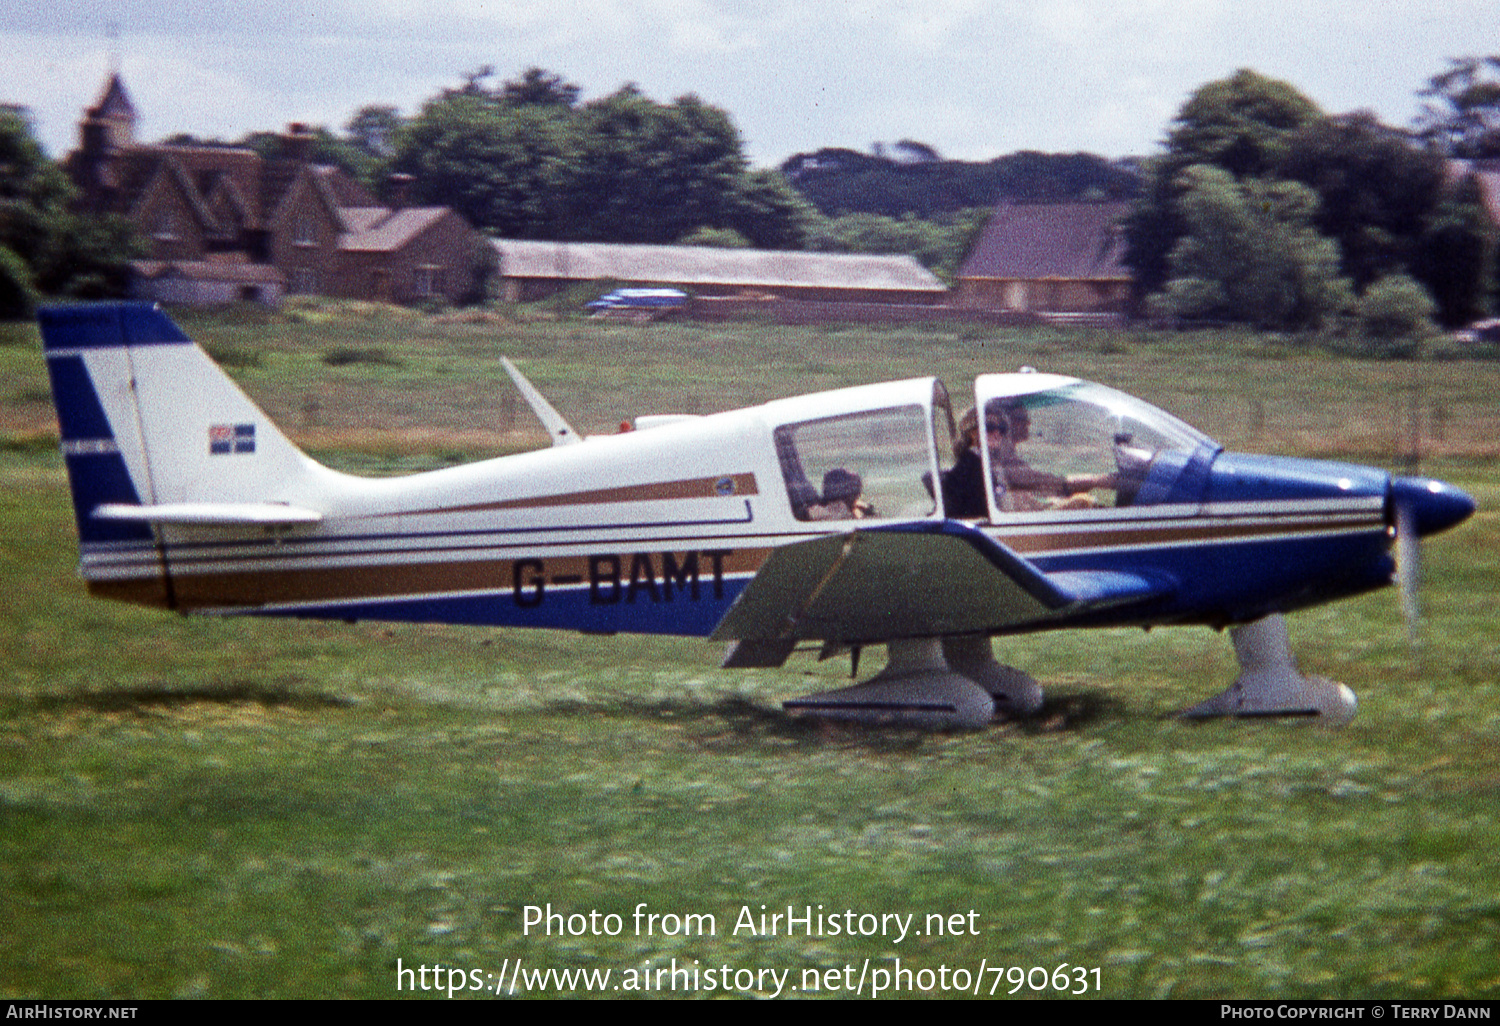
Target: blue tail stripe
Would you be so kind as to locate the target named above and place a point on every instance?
(96, 471)
(80, 415)
(105, 325)
(98, 478)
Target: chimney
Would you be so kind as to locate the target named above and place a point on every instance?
(400, 190)
(296, 144)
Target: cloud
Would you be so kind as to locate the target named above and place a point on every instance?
(972, 77)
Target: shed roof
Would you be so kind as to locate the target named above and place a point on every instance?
(706, 265)
(1051, 240)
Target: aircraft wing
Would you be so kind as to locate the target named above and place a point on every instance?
(922, 579)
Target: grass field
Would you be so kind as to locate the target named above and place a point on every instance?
(215, 809)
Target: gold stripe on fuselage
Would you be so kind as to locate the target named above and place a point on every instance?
(227, 580)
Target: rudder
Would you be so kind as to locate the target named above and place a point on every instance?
(149, 422)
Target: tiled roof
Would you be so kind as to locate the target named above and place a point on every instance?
(381, 230)
(1051, 240)
(705, 265)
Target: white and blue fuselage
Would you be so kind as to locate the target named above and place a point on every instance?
(839, 516)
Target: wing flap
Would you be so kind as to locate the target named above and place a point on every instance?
(1097, 589)
(922, 579)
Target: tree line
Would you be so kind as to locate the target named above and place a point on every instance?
(1266, 210)
(46, 248)
(1262, 208)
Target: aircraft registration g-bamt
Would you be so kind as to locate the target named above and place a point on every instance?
(848, 518)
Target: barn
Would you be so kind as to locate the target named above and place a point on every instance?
(1049, 259)
(533, 270)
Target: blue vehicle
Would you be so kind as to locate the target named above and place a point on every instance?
(646, 302)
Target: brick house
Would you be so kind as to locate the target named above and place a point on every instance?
(253, 227)
(330, 241)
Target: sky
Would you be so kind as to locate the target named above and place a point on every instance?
(973, 78)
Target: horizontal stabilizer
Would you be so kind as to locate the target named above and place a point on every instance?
(922, 579)
(211, 514)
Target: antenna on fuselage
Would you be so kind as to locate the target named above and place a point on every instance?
(557, 427)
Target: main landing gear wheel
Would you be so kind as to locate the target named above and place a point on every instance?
(1270, 684)
(931, 683)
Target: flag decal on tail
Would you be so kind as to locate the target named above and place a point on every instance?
(231, 439)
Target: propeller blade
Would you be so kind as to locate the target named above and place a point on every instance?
(1408, 567)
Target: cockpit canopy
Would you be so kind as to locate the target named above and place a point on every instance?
(1043, 444)
(874, 462)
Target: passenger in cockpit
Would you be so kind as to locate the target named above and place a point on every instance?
(841, 496)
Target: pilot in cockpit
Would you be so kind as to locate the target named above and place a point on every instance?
(1025, 487)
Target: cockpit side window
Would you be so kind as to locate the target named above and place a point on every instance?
(1084, 446)
(875, 463)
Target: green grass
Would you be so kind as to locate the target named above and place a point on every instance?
(243, 808)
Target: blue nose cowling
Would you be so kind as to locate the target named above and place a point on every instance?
(1433, 505)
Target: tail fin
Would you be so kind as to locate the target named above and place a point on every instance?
(155, 434)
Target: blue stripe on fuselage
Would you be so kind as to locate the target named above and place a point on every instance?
(1243, 579)
(575, 609)
(1218, 583)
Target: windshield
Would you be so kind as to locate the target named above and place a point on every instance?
(1077, 446)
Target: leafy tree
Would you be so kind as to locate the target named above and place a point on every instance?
(538, 87)
(51, 250)
(1394, 312)
(324, 147)
(1456, 256)
(914, 152)
(91, 256)
(525, 160)
(767, 211)
(18, 292)
(939, 244)
(372, 130)
(1463, 117)
(504, 169)
(1376, 190)
(917, 181)
(877, 233)
(715, 238)
(648, 172)
(1250, 253)
(27, 176)
(474, 83)
(1244, 125)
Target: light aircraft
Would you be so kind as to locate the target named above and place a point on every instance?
(815, 519)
